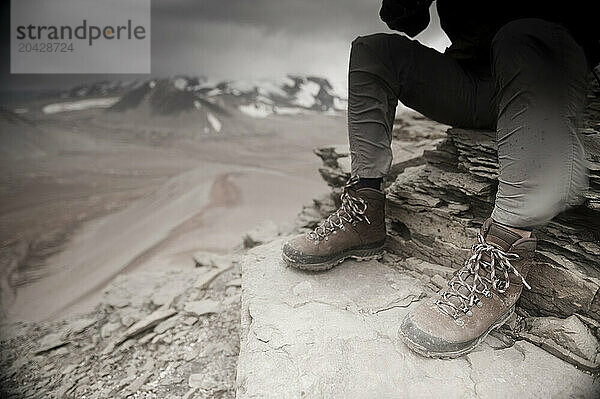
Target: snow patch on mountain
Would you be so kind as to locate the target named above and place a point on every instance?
(287, 110)
(180, 83)
(260, 98)
(256, 110)
(291, 95)
(80, 105)
(214, 122)
(305, 97)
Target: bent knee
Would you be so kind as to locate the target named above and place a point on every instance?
(527, 32)
(373, 39)
(380, 54)
(379, 42)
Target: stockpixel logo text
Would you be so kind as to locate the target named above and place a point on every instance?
(82, 32)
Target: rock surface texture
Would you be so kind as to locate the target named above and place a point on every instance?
(334, 335)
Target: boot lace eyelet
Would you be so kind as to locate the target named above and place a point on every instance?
(352, 211)
(476, 277)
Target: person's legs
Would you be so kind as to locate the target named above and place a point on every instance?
(385, 68)
(541, 82)
(540, 73)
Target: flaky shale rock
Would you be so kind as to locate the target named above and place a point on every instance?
(436, 209)
(334, 334)
(438, 201)
(570, 339)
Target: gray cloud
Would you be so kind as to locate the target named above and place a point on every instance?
(249, 39)
(289, 15)
(261, 38)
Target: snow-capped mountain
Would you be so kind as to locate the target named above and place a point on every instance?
(291, 95)
(257, 99)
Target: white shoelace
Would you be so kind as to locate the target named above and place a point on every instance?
(351, 211)
(469, 282)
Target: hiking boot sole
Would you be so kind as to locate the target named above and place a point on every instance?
(357, 254)
(454, 354)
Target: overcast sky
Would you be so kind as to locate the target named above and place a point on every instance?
(245, 39)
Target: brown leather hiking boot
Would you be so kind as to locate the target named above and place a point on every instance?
(480, 297)
(356, 230)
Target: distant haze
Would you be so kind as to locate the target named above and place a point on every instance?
(241, 39)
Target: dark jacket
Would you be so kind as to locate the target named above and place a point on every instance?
(472, 24)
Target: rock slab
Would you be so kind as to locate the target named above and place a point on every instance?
(334, 334)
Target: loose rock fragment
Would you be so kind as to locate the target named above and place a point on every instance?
(147, 338)
(80, 325)
(108, 329)
(210, 259)
(150, 321)
(427, 268)
(568, 338)
(49, 342)
(190, 393)
(237, 282)
(188, 321)
(189, 356)
(439, 281)
(69, 369)
(138, 382)
(263, 233)
(205, 306)
(165, 325)
(204, 280)
(201, 381)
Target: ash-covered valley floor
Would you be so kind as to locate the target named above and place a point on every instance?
(117, 177)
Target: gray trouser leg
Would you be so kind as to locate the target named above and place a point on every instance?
(385, 68)
(541, 83)
(534, 98)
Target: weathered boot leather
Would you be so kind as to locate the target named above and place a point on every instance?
(356, 230)
(480, 297)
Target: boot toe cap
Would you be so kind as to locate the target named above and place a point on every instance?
(290, 251)
(296, 251)
(422, 341)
